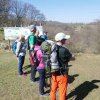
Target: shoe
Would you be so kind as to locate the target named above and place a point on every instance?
(23, 75)
(19, 76)
(47, 85)
(37, 82)
(44, 95)
(32, 82)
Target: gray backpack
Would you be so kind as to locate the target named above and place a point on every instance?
(49, 55)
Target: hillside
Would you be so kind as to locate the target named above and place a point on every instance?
(84, 37)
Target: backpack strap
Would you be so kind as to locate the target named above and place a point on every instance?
(57, 47)
(36, 61)
(27, 42)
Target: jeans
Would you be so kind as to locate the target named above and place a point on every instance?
(33, 73)
(41, 80)
(33, 67)
(20, 64)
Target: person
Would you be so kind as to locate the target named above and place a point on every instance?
(32, 42)
(20, 53)
(46, 35)
(41, 71)
(60, 78)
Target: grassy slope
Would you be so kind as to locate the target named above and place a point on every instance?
(85, 68)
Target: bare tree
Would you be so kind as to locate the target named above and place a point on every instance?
(19, 11)
(34, 15)
(25, 13)
(4, 12)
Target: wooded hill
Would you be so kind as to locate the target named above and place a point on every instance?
(84, 37)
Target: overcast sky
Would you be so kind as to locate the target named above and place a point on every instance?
(68, 10)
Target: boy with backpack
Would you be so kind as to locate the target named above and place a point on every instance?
(59, 76)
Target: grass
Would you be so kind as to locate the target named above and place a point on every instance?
(84, 79)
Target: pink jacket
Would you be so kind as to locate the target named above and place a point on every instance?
(39, 54)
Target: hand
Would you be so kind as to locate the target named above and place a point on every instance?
(73, 57)
(32, 53)
(16, 55)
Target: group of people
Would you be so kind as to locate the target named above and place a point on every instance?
(59, 78)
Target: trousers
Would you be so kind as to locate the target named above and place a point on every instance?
(61, 82)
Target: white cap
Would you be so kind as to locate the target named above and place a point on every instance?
(60, 36)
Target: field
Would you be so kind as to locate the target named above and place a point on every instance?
(84, 79)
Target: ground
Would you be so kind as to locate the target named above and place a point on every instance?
(84, 79)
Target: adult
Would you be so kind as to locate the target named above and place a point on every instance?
(60, 78)
(41, 70)
(20, 53)
(32, 42)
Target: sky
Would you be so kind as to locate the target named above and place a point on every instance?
(68, 11)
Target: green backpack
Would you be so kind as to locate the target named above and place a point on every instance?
(46, 51)
(49, 55)
(46, 47)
